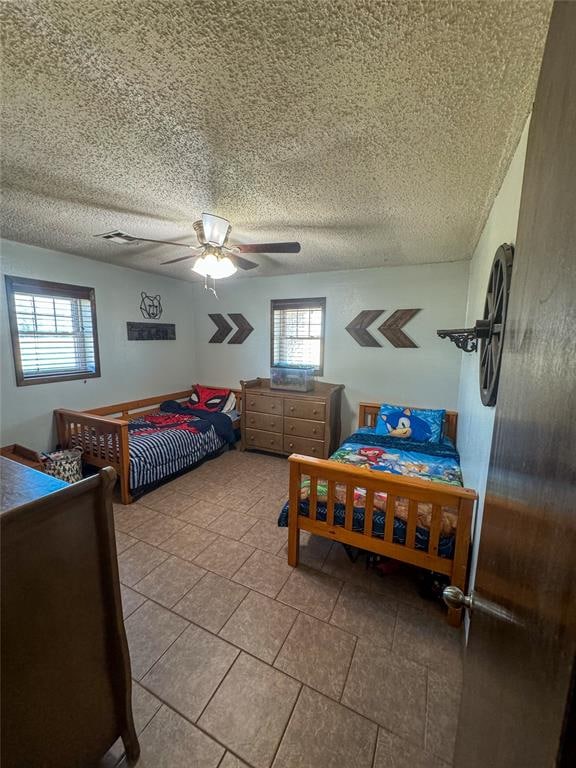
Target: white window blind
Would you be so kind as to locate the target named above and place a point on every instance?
(298, 332)
(53, 331)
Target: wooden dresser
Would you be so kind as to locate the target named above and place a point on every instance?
(283, 422)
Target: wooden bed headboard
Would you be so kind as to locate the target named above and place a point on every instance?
(368, 413)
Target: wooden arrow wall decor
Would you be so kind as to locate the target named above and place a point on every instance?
(391, 328)
(357, 328)
(244, 329)
(223, 326)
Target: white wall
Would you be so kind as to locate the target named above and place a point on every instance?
(476, 421)
(427, 376)
(130, 369)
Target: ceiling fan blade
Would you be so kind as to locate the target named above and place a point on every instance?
(166, 242)
(240, 262)
(268, 247)
(117, 236)
(182, 258)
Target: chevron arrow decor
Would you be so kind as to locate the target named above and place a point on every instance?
(391, 328)
(244, 329)
(223, 326)
(357, 328)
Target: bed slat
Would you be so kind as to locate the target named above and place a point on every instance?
(313, 498)
(349, 514)
(435, 528)
(411, 526)
(390, 512)
(368, 513)
(330, 502)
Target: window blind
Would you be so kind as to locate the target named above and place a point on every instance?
(53, 331)
(298, 332)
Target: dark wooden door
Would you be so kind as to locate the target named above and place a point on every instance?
(517, 684)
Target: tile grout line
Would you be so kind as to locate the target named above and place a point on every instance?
(273, 662)
(348, 670)
(288, 721)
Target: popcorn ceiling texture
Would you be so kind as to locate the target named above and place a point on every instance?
(374, 132)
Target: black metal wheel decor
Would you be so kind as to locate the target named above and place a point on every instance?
(490, 331)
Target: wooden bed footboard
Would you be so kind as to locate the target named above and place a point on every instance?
(103, 442)
(102, 433)
(413, 493)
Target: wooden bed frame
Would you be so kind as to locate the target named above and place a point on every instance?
(460, 500)
(104, 440)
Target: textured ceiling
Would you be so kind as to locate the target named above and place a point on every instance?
(375, 132)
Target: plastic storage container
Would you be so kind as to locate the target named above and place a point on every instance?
(292, 378)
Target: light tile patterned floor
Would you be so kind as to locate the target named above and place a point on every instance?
(244, 662)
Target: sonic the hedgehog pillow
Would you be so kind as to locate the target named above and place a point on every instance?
(424, 426)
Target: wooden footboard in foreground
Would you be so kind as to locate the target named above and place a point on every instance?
(102, 433)
(437, 496)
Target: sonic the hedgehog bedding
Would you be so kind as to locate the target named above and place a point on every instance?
(438, 462)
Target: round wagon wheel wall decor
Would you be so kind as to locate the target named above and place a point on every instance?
(491, 329)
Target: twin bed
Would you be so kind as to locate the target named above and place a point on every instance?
(148, 441)
(401, 499)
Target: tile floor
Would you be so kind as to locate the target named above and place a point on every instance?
(240, 661)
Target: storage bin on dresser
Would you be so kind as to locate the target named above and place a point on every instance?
(279, 421)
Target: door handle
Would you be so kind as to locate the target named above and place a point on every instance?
(455, 598)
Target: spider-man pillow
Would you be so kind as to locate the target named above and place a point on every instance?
(213, 400)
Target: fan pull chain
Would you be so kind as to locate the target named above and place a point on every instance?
(208, 287)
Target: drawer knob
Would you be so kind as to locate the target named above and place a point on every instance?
(314, 411)
(290, 445)
(291, 408)
(272, 423)
(314, 431)
(272, 442)
(273, 406)
(314, 450)
(292, 428)
(252, 402)
(252, 438)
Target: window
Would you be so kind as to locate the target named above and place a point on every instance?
(53, 328)
(297, 335)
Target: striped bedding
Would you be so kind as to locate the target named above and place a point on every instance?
(156, 455)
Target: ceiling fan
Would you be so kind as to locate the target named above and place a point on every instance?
(215, 258)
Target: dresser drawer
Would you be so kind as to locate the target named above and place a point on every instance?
(263, 404)
(305, 409)
(304, 428)
(264, 421)
(257, 438)
(305, 446)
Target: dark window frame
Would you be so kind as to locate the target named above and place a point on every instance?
(306, 303)
(59, 290)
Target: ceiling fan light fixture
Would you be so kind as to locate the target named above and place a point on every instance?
(216, 267)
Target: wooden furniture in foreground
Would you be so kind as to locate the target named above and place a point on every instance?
(66, 685)
(102, 433)
(458, 500)
(279, 421)
(23, 455)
